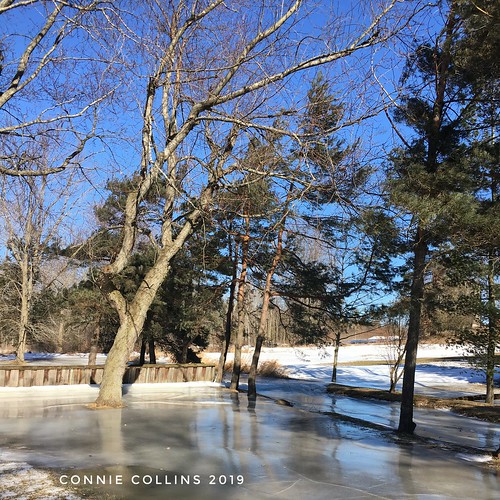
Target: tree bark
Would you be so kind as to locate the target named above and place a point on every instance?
(252, 375)
(336, 356)
(94, 347)
(184, 352)
(229, 316)
(252, 386)
(395, 374)
(492, 334)
(396, 354)
(235, 377)
(26, 294)
(142, 356)
(152, 353)
(110, 391)
(60, 335)
(92, 355)
(406, 423)
(132, 318)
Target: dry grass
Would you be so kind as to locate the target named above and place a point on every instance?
(271, 368)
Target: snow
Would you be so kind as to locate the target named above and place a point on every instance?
(50, 358)
(198, 430)
(21, 481)
(313, 363)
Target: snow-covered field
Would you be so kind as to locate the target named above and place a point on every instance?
(313, 363)
(440, 372)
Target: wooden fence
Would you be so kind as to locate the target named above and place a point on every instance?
(30, 375)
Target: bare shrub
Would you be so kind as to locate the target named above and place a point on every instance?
(271, 368)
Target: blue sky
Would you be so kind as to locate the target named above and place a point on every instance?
(117, 151)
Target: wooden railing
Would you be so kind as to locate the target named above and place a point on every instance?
(31, 375)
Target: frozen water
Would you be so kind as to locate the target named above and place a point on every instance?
(435, 424)
(197, 434)
(173, 440)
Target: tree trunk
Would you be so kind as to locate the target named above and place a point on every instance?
(395, 373)
(396, 353)
(94, 348)
(92, 356)
(26, 294)
(336, 357)
(152, 353)
(252, 375)
(238, 344)
(110, 391)
(132, 318)
(142, 356)
(21, 336)
(235, 377)
(442, 68)
(184, 353)
(229, 318)
(393, 377)
(264, 314)
(60, 335)
(406, 423)
(492, 334)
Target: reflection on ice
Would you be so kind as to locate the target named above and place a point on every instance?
(438, 424)
(194, 442)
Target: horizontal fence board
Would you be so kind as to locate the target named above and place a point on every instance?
(32, 375)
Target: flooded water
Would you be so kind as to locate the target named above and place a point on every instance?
(205, 442)
(434, 424)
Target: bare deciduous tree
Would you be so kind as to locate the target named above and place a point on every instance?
(216, 71)
(32, 212)
(51, 83)
(395, 349)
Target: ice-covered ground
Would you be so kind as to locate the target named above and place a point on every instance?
(201, 441)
